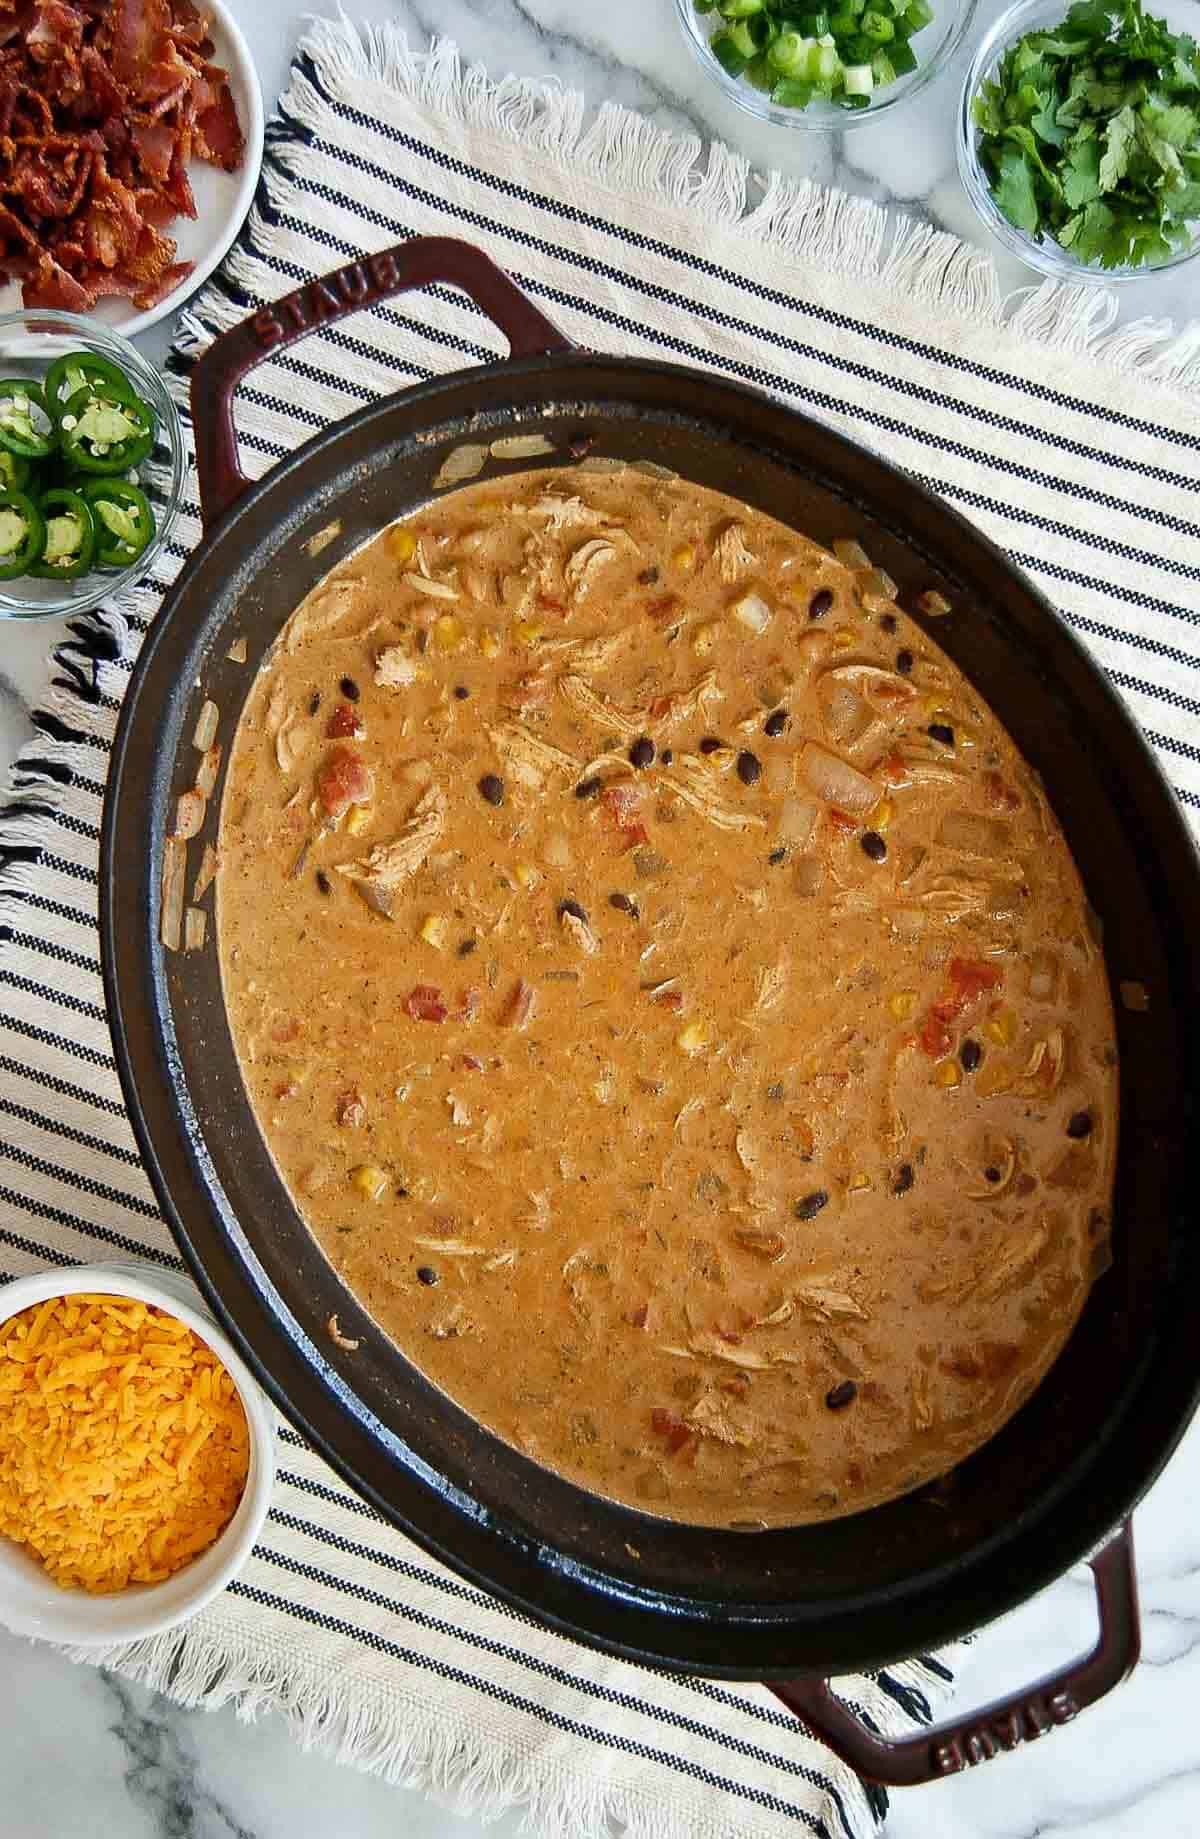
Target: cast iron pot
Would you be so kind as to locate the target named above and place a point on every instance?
(791, 1606)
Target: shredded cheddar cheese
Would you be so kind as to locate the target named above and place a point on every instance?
(123, 1443)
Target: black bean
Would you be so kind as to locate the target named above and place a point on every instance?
(970, 1053)
(666, 756)
(1079, 1124)
(401, 1193)
(648, 577)
(426, 1274)
(467, 947)
(776, 723)
(624, 904)
(776, 857)
(642, 752)
(314, 702)
(491, 787)
(349, 689)
(820, 603)
(749, 767)
(941, 731)
(904, 661)
(905, 1176)
(873, 845)
(587, 788)
(461, 692)
(991, 1174)
(841, 1395)
(323, 882)
(710, 744)
(810, 1205)
(887, 622)
(574, 909)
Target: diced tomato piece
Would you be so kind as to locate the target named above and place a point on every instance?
(660, 707)
(621, 802)
(637, 1318)
(468, 1063)
(842, 820)
(663, 607)
(424, 1004)
(344, 780)
(666, 1424)
(935, 1039)
(893, 769)
(344, 722)
(972, 976)
(669, 999)
(946, 1008)
(999, 794)
(287, 1088)
(635, 835)
(286, 1031)
(549, 605)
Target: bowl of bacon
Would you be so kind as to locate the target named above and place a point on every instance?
(130, 140)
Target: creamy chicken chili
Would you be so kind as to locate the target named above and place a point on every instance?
(668, 996)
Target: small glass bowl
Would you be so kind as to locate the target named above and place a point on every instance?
(29, 344)
(934, 47)
(1048, 256)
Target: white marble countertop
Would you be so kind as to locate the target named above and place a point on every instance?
(82, 1754)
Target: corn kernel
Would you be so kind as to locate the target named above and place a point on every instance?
(359, 818)
(434, 928)
(400, 544)
(693, 1039)
(447, 632)
(705, 637)
(369, 1179)
(858, 1183)
(946, 1073)
(525, 632)
(684, 558)
(1001, 1027)
(902, 1004)
(525, 875)
(880, 816)
(845, 637)
(489, 642)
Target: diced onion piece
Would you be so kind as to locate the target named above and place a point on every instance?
(463, 463)
(836, 781)
(206, 772)
(877, 582)
(752, 612)
(206, 727)
(653, 470)
(189, 813)
(933, 604)
(851, 553)
(206, 874)
(436, 590)
(195, 928)
(557, 851)
(322, 538)
(521, 446)
(173, 876)
(808, 876)
(1043, 976)
(237, 652)
(602, 463)
(798, 818)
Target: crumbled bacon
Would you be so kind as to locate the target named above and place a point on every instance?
(101, 108)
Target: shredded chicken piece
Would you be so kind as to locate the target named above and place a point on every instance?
(520, 748)
(1010, 1261)
(829, 1303)
(770, 982)
(685, 705)
(583, 565)
(389, 864)
(733, 557)
(713, 1415)
(395, 670)
(568, 513)
(699, 795)
(584, 700)
(320, 616)
(579, 930)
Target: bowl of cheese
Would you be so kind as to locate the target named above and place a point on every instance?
(137, 1455)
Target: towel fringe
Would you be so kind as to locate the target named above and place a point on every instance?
(813, 225)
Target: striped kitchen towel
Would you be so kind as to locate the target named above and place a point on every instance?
(1074, 445)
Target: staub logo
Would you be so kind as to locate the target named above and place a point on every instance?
(1022, 1723)
(353, 286)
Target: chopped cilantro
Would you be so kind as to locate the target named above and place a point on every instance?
(1089, 134)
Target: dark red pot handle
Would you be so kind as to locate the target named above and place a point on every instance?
(962, 1742)
(364, 283)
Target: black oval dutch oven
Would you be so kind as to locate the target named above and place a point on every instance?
(788, 1607)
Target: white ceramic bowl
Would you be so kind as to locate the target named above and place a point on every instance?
(30, 1603)
(222, 198)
